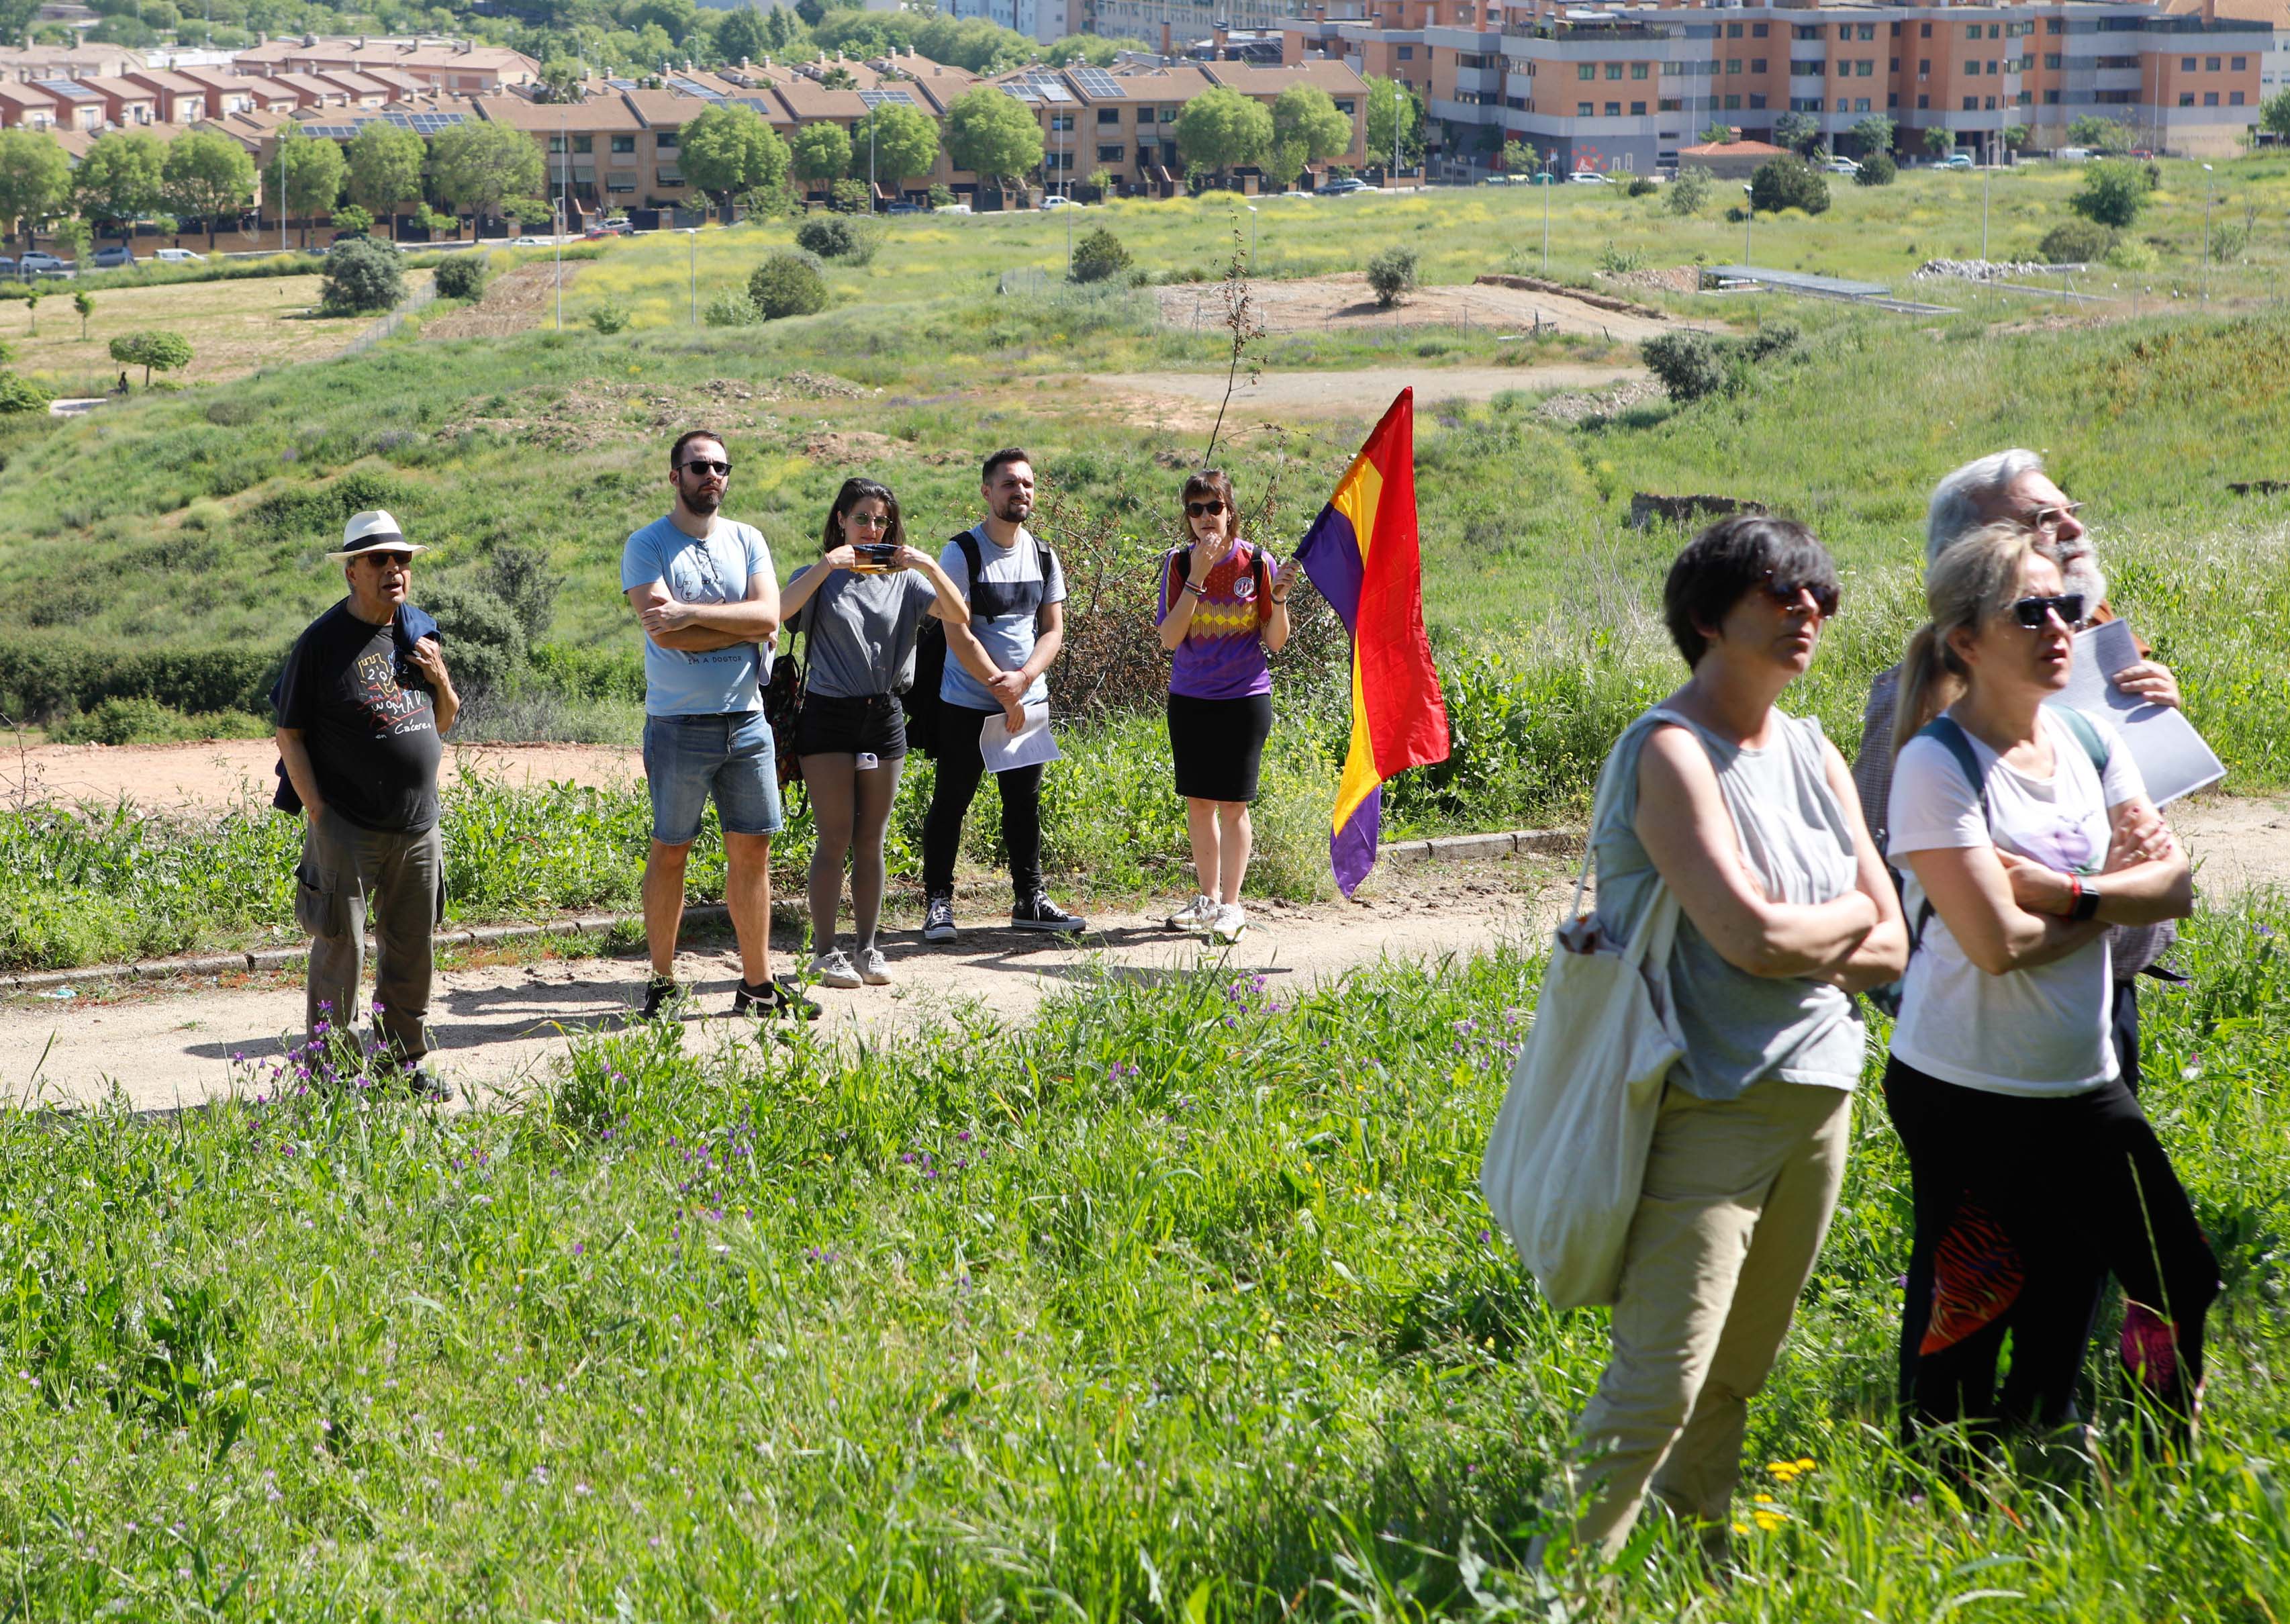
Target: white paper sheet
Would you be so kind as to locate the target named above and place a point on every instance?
(1029, 747)
(2172, 756)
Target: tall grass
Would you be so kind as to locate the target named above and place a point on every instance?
(1179, 1304)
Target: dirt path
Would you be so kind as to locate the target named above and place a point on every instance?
(501, 1028)
(218, 771)
(514, 301)
(1346, 301)
(1362, 393)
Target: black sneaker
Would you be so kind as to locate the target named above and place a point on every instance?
(772, 999)
(664, 998)
(1040, 913)
(937, 919)
(425, 1085)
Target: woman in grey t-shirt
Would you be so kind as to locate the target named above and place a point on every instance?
(858, 609)
(1748, 815)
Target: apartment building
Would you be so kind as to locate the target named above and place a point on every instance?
(180, 100)
(125, 103)
(1046, 20)
(77, 106)
(28, 64)
(462, 65)
(1621, 88)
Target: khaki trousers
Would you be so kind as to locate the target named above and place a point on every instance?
(349, 878)
(1737, 1201)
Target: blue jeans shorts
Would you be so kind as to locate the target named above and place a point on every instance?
(688, 758)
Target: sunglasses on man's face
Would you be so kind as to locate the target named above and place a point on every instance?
(1785, 593)
(2034, 613)
(704, 467)
(1204, 511)
(389, 561)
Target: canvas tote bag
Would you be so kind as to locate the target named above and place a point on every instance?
(1567, 1156)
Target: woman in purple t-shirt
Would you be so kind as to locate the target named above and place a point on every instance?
(1223, 608)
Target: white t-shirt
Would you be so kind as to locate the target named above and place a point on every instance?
(2043, 1031)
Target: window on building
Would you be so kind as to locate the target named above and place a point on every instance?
(1168, 113)
(2210, 99)
(1896, 66)
(1972, 104)
(1637, 71)
(1892, 101)
(584, 143)
(1732, 103)
(1732, 64)
(1867, 31)
(1111, 155)
(2234, 99)
(1924, 67)
(1407, 53)
(1671, 104)
(1924, 104)
(2210, 64)
(1614, 110)
(2241, 63)
(1990, 104)
(1109, 116)
(2051, 98)
(1756, 31)
(1756, 64)
(2054, 25)
(1587, 71)
(556, 143)
(1807, 31)
(2051, 61)
(1613, 70)
(1757, 102)
(1972, 30)
(2186, 64)
(1995, 30)
(619, 183)
(1061, 120)
(667, 141)
(1866, 69)
(1923, 30)
(1732, 30)
(1583, 110)
(625, 143)
(1637, 110)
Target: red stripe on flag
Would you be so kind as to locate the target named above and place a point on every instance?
(1399, 687)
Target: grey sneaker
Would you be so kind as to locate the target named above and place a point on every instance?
(1195, 916)
(1228, 923)
(831, 968)
(874, 969)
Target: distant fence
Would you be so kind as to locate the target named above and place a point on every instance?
(391, 323)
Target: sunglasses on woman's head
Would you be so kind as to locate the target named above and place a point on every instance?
(1785, 593)
(1203, 510)
(2034, 612)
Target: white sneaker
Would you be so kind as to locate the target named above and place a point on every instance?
(834, 970)
(1226, 923)
(874, 969)
(1194, 916)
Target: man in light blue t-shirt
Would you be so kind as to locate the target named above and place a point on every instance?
(708, 599)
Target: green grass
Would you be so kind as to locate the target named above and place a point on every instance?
(1179, 1303)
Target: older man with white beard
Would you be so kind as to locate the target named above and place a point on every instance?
(2007, 486)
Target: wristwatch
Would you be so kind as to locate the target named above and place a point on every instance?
(2087, 900)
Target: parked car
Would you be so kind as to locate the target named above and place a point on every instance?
(952, 208)
(1956, 160)
(1055, 202)
(1343, 188)
(1842, 166)
(903, 207)
(2072, 154)
(39, 264)
(177, 256)
(117, 257)
(1589, 177)
(7, 265)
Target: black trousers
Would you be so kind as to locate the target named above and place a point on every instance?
(960, 765)
(2029, 1203)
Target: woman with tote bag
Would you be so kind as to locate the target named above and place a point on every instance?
(1732, 827)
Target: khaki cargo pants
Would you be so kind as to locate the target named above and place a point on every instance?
(348, 878)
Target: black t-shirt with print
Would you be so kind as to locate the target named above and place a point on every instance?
(367, 719)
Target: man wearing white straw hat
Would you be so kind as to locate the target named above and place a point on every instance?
(361, 704)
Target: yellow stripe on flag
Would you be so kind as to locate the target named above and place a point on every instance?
(1357, 499)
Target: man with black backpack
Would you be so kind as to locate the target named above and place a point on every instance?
(1017, 593)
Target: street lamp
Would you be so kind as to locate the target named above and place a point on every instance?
(1983, 214)
(563, 207)
(692, 232)
(1252, 236)
(1549, 180)
(1749, 223)
(2209, 181)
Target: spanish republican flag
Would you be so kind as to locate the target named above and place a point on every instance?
(1362, 556)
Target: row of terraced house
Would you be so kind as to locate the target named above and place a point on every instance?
(614, 144)
(1629, 87)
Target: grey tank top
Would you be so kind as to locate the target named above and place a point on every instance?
(1741, 1029)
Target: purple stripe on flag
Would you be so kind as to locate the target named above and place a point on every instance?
(1351, 850)
(1330, 555)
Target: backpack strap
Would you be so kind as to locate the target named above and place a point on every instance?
(1949, 733)
(2087, 734)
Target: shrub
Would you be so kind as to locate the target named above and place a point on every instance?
(484, 640)
(940, 195)
(462, 276)
(790, 283)
(1642, 186)
(1099, 256)
(361, 276)
(1391, 273)
(609, 317)
(1773, 339)
(851, 196)
(153, 347)
(731, 309)
(2075, 242)
(1788, 183)
(2131, 256)
(1619, 262)
(2114, 191)
(1878, 169)
(1689, 192)
(146, 720)
(838, 236)
(18, 393)
(1690, 365)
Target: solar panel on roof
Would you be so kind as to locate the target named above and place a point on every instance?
(1051, 89)
(1097, 82)
(880, 98)
(620, 84)
(755, 102)
(1024, 90)
(692, 87)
